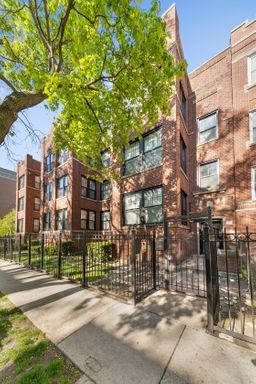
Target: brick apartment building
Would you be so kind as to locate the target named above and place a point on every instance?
(155, 175)
(205, 151)
(225, 89)
(7, 191)
(28, 191)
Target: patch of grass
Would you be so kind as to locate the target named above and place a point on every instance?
(26, 356)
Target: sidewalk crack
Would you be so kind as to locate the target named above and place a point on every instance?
(174, 350)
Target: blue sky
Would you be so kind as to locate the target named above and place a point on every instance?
(205, 30)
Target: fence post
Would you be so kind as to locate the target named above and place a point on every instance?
(59, 256)
(11, 247)
(19, 248)
(210, 311)
(154, 258)
(164, 277)
(133, 260)
(29, 249)
(42, 251)
(5, 244)
(84, 254)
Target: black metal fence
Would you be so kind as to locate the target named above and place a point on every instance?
(184, 266)
(125, 264)
(232, 279)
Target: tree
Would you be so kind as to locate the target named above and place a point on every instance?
(7, 224)
(104, 63)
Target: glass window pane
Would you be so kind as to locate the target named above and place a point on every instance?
(83, 214)
(153, 215)
(253, 119)
(153, 140)
(132, 201)
(132, 217)
(253, 77)
(208, 135)
(207, 122)
(153, 197)
(133, 166)
(254, 134)
(132, 151)
(253, 63)
(92, 216)
(106, 159)
(153, 158)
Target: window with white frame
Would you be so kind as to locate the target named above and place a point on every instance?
(209, 174)
(36, 203)
(48, 192)
(62, 219)
(62, 156)
(105, 220)
(207, 128)
(36, 225)
(105, 190)
(83, 219)
(62, 186)
(253, 181)
(21, 204)
(143, 207)
(252, 69)
(88, 188)
(21, 182)
(252, 126)
(37, 182)
(20, 225)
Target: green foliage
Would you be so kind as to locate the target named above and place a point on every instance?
(7, 224)
(105, 64)
(35, 242)
(66, 247)
(54, 367)
(100, 251)
(51, 249)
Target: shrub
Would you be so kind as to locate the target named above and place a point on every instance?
(36, 249)
(67, 247)
(35, 242)
(100, 251)
(51, 249)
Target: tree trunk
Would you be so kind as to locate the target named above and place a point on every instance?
(12, 105)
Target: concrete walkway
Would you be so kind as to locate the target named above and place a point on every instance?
(162, 340)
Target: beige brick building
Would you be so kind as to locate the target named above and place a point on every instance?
(7, 191)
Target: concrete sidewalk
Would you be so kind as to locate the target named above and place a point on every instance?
(162, 340)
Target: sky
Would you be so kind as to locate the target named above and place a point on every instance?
(205, 27)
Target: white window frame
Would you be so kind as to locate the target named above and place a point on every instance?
(253, 181)
(251, 127)
(217, 127)
(199, 173)
(249, 69)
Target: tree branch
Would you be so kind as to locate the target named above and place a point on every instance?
(12, 105)
(7, 82)
(94, 113)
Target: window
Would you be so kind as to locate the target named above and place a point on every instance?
(20, 225)
(209, 175)
(62, 156)
(61, 219)
(47, 221)
(92, 219)
(207, 127)
(21, 182)
(183, 155)
(88, 219)
(105, 159)
(37, 182)
(183, 103)
(252, 126)
(48, 192)
(36, 203)
(252, 69)
(183, 206)
(105, 220)
(144, 154)
(36, 225)
(83, 219)
(21, 204)
(88, 188)
(105, 190)
(143, 207)
(62, 186)
(48, 162)
(253, 183)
